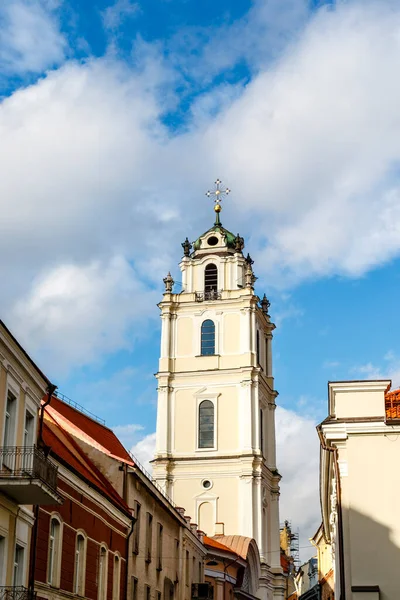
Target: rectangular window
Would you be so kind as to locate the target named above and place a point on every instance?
(136, 530)
(102, 581)
(159, 546)
(29, 431)
(18, 571)
(206, 424)
(200, 574)
(258, 347)
(266, 358)
(134, 588)
(9, 424)
(147, 592)
(262, 431)
(187, 568)
(149, 536)
(2, 559)
(158, 595)
(79, 587)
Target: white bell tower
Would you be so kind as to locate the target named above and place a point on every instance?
(215, 448)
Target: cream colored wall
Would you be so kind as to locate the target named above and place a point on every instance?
(357, 399)
(18, 375)
(372, 528)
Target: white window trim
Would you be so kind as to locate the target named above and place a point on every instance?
(23, 545)
(103, 596)
(82, 576)
(117, 583)
(58, 552)
(213, 397)
(15, 389)
(198, 321)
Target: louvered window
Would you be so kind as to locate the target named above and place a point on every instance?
(211, 278)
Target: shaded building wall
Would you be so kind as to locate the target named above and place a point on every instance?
(90, 516)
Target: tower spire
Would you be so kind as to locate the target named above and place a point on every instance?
(218, 194)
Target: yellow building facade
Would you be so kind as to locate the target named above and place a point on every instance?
(27, 477)
(215, 446)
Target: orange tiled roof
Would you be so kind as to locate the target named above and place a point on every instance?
(64, 447)
(88, 430)
(238, 543)
(392, 404)
(213, 543)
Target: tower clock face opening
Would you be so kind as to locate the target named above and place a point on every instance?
(212, 241)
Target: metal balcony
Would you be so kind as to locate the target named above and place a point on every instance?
(28, 476)
(208, 295)
(18, 592)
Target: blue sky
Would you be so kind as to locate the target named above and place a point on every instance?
(116, 117)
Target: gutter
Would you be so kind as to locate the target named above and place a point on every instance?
(127, 556)
(51, 388)
(334, 452)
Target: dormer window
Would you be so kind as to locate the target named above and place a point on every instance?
(212, 241)
(211, 278)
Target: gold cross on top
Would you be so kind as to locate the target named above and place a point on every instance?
(218, 194)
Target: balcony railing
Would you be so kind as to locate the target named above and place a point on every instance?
(392, 406)
(27, 475)
(18, 592)
(208, 295)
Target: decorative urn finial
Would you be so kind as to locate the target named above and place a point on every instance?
(265, 304)
(169, 283)
(249, 276)
(249, 260)
(187, 246)
(239, 243)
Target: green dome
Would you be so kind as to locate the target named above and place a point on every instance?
(229, 237)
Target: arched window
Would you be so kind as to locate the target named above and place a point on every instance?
(54, 552)
(211, 278)
(102, 574)
(207, 338)
(116, 577)
(80, 555)
(206, 424)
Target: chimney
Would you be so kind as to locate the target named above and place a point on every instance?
(219, 528)
(193, 527)
(181, 511)
(200, 535)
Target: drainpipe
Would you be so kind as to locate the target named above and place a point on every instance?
(334, 451)
(32, 563)
(128, 556)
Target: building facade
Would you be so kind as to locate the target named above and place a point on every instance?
(166, 551)
(81, 545)
(27, 476)
(360, 485)
(215, 448)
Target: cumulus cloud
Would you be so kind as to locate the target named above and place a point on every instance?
(30, 36)
(389, 368)
(91, 172)
(144, 449)
(114, 15)
(94, 298)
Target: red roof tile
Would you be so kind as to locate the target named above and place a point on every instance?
(90, 431)
(63, 446)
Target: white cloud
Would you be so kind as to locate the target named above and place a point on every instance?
(297, 448)
(115, 14)
(103, 300)
(144, 449)
(128, 434)
(388, 369)
(89, 172)
(30, 37)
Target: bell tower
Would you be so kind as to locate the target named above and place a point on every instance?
(215, 441)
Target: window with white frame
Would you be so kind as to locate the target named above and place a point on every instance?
(10, 420)
(18, 570)
(102, 574)
(29, 430)
(54, 553)
(116, 577)
(80, 560)
(206, 424)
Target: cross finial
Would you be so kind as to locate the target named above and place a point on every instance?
(218, 194)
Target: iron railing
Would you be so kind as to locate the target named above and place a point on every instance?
(208, 295)
(18, 592)
(27, 461)
(78, 407)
